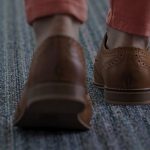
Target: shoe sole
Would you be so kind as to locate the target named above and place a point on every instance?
(54, 106)
(125, 97)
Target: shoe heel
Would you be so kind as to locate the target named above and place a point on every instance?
(66, 97)
(125, 97)
(54, 105)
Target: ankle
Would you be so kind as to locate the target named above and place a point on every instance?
(56, 25)
(118, 38)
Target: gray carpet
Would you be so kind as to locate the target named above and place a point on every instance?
(113, 127)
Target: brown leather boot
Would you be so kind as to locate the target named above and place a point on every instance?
(55, 94)
(124, 73)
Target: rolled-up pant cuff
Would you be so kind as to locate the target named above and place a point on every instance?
(36, 9)
(130, 16)
(141, 28)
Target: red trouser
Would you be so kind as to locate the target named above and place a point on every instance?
(126, 15)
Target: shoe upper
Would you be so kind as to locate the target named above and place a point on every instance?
(58, 59)
(122, 68)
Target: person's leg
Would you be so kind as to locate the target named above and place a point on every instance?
(128, 23)
(58, 24)
(51, 17)
(122, 66)
(55, 93)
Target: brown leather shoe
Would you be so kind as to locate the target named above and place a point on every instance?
(124, 73)
(55, 94)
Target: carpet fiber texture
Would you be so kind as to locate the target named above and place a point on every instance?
(113, 127)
